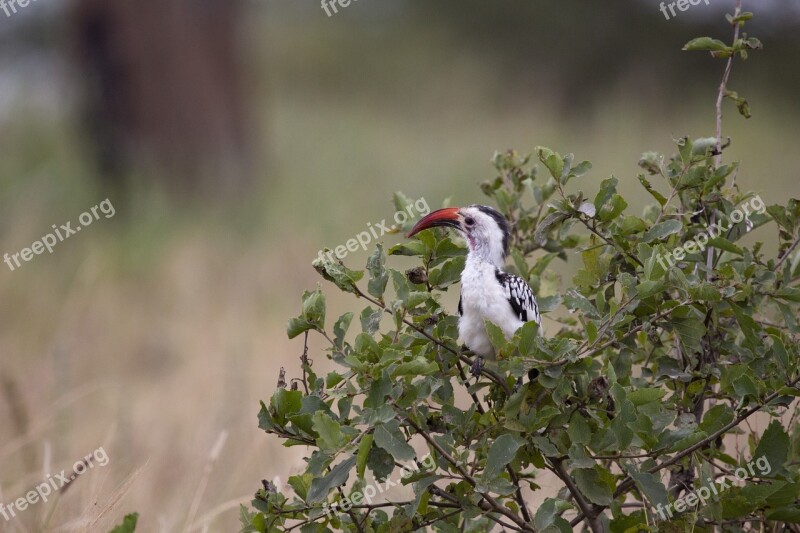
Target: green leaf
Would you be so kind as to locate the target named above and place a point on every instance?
(337, 477)
(690, 329)
(549, 303)
(378, 277)
(580, 169)
(380, 462)
(608, 189)
(551, 160)
(448, 273)
(705, 43)
(597, 486)
(285, 402)
(370, 320)
(363, 454)
(596, 268)
(543, 228)
(301, 484)
(410, 249)
(527, 337)
(128, 524)
(743, 17)
(790, 294)
(314, 308)
(716, 418)
(389, 437)
(654, 193)
(340, 328)
(612, 209)
(782, 356)
(651, 162)
(662, 229)
(496, 336)
(632, 224)
(644, 396)
(302, 418)
(401, 201)
(549, 514)
(502, 452)
(338, 274)
(706, 292)
(419, 366)
(742, 105)
(785, 514)
(651, 486)
(646, 289)
(401, 285)
(754, 43)
(774, 447)
(313, 315)
(578, 302)
(744, 387)
(747, 324)
(544, 445)
(724, 244)
(578, 430)
(298, 325)
(331, 438)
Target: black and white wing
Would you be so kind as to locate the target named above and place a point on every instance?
(520, 296)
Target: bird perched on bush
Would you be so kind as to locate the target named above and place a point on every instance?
(487, 291)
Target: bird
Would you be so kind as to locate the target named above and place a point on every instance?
(487, 291)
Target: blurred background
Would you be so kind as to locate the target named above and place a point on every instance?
(237, 138)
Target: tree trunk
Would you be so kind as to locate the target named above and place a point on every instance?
(163, 91)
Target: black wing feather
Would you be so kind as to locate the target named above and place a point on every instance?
(520, 296)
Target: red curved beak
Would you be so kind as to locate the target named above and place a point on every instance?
(447, 217)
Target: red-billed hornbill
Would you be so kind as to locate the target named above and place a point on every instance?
(487, 292)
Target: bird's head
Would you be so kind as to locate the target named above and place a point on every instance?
(484, 228)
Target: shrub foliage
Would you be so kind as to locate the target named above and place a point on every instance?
(647, 364)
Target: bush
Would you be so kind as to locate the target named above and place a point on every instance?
(678, 333)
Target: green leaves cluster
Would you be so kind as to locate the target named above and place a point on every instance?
(128, 524)
(644, 369)
(639, 379)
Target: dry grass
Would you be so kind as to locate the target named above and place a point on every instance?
(152, 369)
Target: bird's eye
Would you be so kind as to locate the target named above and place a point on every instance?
(469, 221)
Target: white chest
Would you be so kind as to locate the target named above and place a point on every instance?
(483, 298)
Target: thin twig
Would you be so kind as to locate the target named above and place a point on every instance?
(588, 513)
(304, 361)
(788, 253)
(628, 483)
(610, 242)
(723, 86)
(495, 505)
